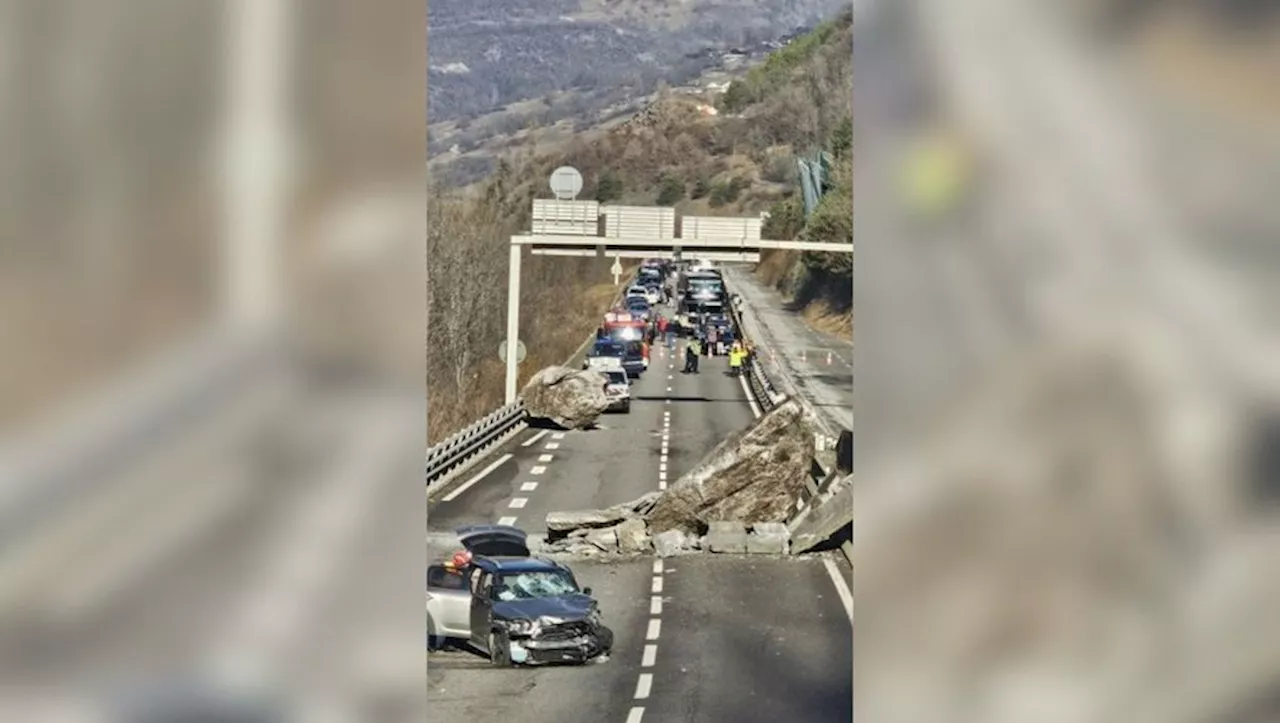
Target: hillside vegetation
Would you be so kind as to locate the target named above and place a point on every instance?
(739, 162)
(485, 55)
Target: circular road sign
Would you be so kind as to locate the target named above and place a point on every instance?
(566, 182)
(521, 351)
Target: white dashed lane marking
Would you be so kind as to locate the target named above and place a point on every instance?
(636, 715)
(558, 435)
(657, 584)
(518, 502)
(528, 486)
(506, 520)
(538, 470)
(551, 445)
(545, 457)
(644, 686)
(649, 657)
(655, 629)
(655, 605)
(657, 567)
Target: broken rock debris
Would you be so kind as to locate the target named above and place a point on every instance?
(748, 482)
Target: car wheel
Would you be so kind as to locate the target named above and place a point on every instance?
(499, 650)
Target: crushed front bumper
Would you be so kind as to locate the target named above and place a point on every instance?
(553, 648)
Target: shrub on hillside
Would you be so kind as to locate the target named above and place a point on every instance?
(723, 194)
(785, 221)
(609, 188)
(780, 168)
(670, 190)
(842, 138)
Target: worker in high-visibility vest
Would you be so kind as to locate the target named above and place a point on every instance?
(735, 360)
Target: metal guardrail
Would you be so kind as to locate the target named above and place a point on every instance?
(472, 442)
(467, 446)
(820, 479)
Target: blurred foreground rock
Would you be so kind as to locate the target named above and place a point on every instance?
(572, 398)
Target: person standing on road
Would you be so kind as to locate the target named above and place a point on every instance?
(735, 361)
(690, 355)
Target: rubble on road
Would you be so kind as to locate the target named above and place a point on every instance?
(748, 482)
(768, 538)
(569, 523)
(674, 542)
(606, 539)
(633, 537)
(572, 398)
(751, 477)
(726, 536)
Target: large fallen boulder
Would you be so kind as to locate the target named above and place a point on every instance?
(751, 477)
(572, 398)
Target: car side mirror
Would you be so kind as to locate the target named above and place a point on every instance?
(586, 591)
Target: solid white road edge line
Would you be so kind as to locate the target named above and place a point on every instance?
(846, 595)
(533, 440)
(467, 485)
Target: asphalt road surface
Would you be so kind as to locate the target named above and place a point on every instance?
(809, 363)
(698, 638)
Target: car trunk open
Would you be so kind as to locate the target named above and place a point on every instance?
(494, 541)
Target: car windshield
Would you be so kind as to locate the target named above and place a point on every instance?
(609, 350)
(617, 377)
(532, 585)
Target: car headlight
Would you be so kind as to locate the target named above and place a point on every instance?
(521, 627)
